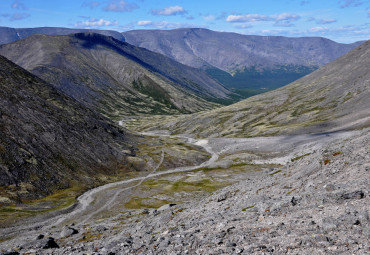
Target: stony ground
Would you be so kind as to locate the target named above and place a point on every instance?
(317, 204)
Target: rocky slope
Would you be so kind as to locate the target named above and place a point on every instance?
(332, 98)
(49, 141)
(114, 77)
(255, 62)
(316, 204)
(8, 34)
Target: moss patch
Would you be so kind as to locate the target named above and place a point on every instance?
(248, 207)
(141, 203)
(276, 172)
(299, 157)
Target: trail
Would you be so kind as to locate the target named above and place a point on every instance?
(86, 199)
(111, 201)
(83, 212)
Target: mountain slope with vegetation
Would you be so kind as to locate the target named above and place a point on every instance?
(50, 142)
(116, 78)
(332, 98)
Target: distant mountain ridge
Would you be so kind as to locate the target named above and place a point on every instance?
(248, 63)
(245, 64)
(114, 77)
(8, 34)
(203, 48)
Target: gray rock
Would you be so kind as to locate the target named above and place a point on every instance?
(165, 207)
(223, 197)
(354, 195)
(11, 253)
(68, 231)
(50, 244)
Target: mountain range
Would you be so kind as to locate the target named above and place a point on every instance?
(333, 98)
(116, 78)
(247, 63)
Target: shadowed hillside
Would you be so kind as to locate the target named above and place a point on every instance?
(49, 141)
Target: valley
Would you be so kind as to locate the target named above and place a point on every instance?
(110, 148)
(121, 205)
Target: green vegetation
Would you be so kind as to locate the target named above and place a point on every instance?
(251, 81)
(177, 153)
(276, 172)
(153, 90)
(140, 203)
(59, 200)
(299, 157)
(347, 97)
(248, 207)
(168, 187)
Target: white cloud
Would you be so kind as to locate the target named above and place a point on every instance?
(145, 22)
(326, 21)
(120, 6)
(287, 17)
(318, 29)
(169, 11)
(283, 24)
(165, 24)
(95, 23)
(283, 19)
(209, 17)
(246, 18)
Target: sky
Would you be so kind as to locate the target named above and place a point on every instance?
(344, 21)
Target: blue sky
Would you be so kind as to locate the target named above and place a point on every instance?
(340, 20)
